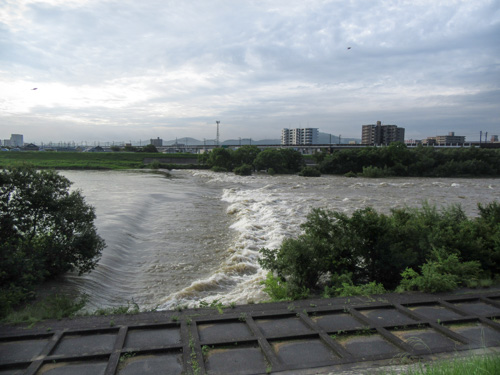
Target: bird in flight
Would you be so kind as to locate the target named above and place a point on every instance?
(36, 88)
(348, 47)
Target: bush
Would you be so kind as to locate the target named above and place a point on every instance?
(244, 170)
(45, 231)
(310, 172)
(445, 245)
(445, 272)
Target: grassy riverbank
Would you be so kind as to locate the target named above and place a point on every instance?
(86, 160)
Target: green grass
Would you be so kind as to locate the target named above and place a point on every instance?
(83, 160)
(484, 365)
(52, 307)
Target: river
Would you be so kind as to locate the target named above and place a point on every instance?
(195, 235)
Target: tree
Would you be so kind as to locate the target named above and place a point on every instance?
(149, 148)
(220, 158)
(45, 231)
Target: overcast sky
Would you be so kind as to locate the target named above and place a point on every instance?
(127, 70)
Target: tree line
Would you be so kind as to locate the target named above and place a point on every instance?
(399, 160)
(391, 161)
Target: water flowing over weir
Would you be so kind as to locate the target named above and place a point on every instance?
(197, 234)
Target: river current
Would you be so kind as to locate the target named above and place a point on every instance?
(195, 235)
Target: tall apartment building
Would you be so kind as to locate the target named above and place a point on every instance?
(381, 134)
(299, 136)
(158, 142)
(16, 140)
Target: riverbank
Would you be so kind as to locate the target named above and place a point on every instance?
(96, 160)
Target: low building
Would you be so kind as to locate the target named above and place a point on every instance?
(299, 136)
(449, 139)
(378, 134)
(31, 147)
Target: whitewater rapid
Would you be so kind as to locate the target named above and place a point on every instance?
(195, 235)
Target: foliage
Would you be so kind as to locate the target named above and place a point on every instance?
(381, 250)
(485, 364)
(244, 170)
(398, 160)
(45, 231)
(344, 287)
(280, 160)
(245, 155)
(444, 272)
(310, 172)
(149, 148)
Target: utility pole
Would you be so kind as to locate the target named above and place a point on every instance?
(218, 122)
(480, 136)
(486, 137)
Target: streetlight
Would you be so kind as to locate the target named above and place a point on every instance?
(218, 122)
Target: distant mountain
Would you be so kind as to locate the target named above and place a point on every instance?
(323, 138)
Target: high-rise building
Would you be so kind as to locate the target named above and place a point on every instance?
(16, 140)
(381, 134)
(158, 142)
(299, 136)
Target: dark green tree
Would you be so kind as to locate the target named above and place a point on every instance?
(220, 159)
(45, 231)
(149, 148)
(245, 155)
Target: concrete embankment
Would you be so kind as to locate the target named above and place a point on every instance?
(323, 336)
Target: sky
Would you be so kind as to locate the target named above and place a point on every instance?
(120, 70)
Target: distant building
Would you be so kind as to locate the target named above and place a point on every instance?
(16, 140)
(158, 142)
(31, 147)
(494, 138)
(299, 136)
(451, 138)
(381, 134)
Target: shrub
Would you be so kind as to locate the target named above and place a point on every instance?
(310, 172)
(244, 170)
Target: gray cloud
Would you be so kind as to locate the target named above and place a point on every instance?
(124, 69)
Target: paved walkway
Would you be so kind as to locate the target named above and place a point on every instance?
(302, 337)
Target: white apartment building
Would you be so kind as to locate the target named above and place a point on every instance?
(16, 140)
(299, 136)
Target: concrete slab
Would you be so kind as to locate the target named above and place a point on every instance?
(237, 360)
(366, 345)
(80, 344)
(282, 326)
(21, 350)
(387, 316)
(478, 333)
(303, 352)
(151, 364)
(74, 368)
(215, 332)
(14, 371)
(336, 322)
(435, 311)
(143, 338)
(426, 339)
(478, 308)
